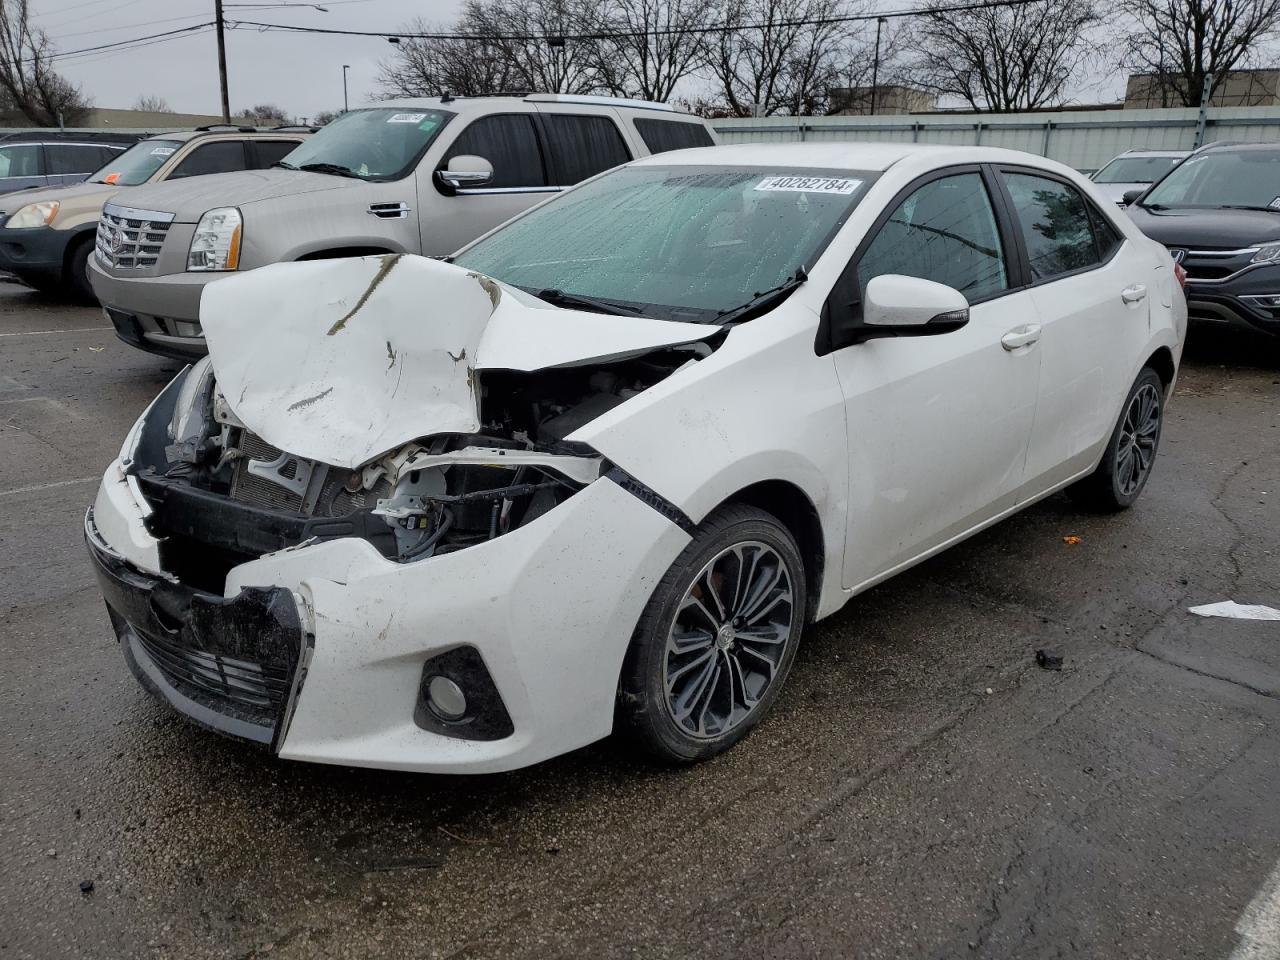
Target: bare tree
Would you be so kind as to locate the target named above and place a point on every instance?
(325, 117)
(27, 80)
(1006, 58)
(152, 104)
(428, 67)
(516, 30)
(783, 56)
(654, 44)
(265, 113)
(1177, 43)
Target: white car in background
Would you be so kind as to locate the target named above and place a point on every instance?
(1135, 170)
(600, 471)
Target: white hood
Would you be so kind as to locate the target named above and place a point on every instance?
(343, 360)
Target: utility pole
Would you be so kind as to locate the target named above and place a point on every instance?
(875, 66)
(345, 68)
(222, 61)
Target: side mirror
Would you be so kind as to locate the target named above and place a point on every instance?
(1130, 196)
(898, 306)
(465, 171)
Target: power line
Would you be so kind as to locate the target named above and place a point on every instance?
(123, 43)
(625, 34)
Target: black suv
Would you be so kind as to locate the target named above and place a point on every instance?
(1218, 212)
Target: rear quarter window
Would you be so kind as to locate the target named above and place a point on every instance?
(659, 136)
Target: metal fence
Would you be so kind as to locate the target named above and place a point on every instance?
(1084, 139)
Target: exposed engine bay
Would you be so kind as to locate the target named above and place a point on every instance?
(222, 495)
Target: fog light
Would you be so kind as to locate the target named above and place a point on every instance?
(446, 698)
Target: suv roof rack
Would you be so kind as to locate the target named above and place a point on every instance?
(294, 126)
(225, 126)
(599, 101)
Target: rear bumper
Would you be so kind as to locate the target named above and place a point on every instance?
(230, 664)
(157, 314)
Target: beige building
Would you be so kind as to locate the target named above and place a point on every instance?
(1239, 88)
(889, 98)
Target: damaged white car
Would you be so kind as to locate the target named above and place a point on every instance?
(599, 472)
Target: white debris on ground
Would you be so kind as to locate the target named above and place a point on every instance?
(1236, 611)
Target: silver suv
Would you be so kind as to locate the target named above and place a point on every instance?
(406, 176)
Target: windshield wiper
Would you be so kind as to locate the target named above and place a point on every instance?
(561, 299)
(1246, 206)
(764, 300)
(287, 166)
(336, 169)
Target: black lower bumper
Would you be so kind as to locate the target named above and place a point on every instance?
(230, 664)
(130, 328)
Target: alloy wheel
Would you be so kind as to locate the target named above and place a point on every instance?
(1139, 432)
(728, 639)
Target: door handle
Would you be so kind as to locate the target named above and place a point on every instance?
(1022, 336)
(1133, 294)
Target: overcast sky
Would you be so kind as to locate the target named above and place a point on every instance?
(301, 73)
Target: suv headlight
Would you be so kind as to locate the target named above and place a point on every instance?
(34, 215)
(1267, 253)
(216, 244)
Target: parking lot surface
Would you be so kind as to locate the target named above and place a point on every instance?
(923, 788)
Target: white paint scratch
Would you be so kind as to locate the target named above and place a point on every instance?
(47, 486)
(43, 333)
(1236, 611)
(1259, 925)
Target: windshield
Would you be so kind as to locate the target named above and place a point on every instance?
(382, 143)
(676, 242)
(137, 164)
(1230, 178)
(1135, 169)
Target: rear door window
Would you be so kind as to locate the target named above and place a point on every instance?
(266, 153)
(508, 141)
(663, 135)
(582, 146)
(1055, 225)
(220, 157)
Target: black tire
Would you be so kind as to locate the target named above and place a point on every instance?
(77, 276)
(1113, 486)
(748, 546)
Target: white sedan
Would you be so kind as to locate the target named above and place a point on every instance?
(601, 470)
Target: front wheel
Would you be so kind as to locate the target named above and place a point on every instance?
(717, 638)
(1131, 451)
(78, 272)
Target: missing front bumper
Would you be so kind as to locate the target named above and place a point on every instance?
(231, 664)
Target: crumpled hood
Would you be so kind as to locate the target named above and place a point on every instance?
(189, 197)
(343, 360)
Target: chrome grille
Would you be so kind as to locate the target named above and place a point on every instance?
(129, 238)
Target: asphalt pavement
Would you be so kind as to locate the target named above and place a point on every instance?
(923, 789)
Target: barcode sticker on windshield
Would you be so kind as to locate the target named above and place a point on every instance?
(841, 185)
(163, 151)
(1274, 204)
(406, 118)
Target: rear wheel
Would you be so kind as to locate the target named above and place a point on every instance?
(717, 638)
(78, 271)
(1131, 451)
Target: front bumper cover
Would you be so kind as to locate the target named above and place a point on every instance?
(230, 664)
(34, 253)
(159, 314)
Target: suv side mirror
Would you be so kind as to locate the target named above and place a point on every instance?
(465, 171)
(1130, 196)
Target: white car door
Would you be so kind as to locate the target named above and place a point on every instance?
(938, 425)
(1092, 294)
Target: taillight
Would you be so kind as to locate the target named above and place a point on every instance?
(1181, 276)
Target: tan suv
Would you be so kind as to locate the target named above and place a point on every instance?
(406, 176)
(47, 234)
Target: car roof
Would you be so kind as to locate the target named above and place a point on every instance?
(1228, 145)
(185, 135)
(1152, 153)
(840, 156)
(522, 102)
